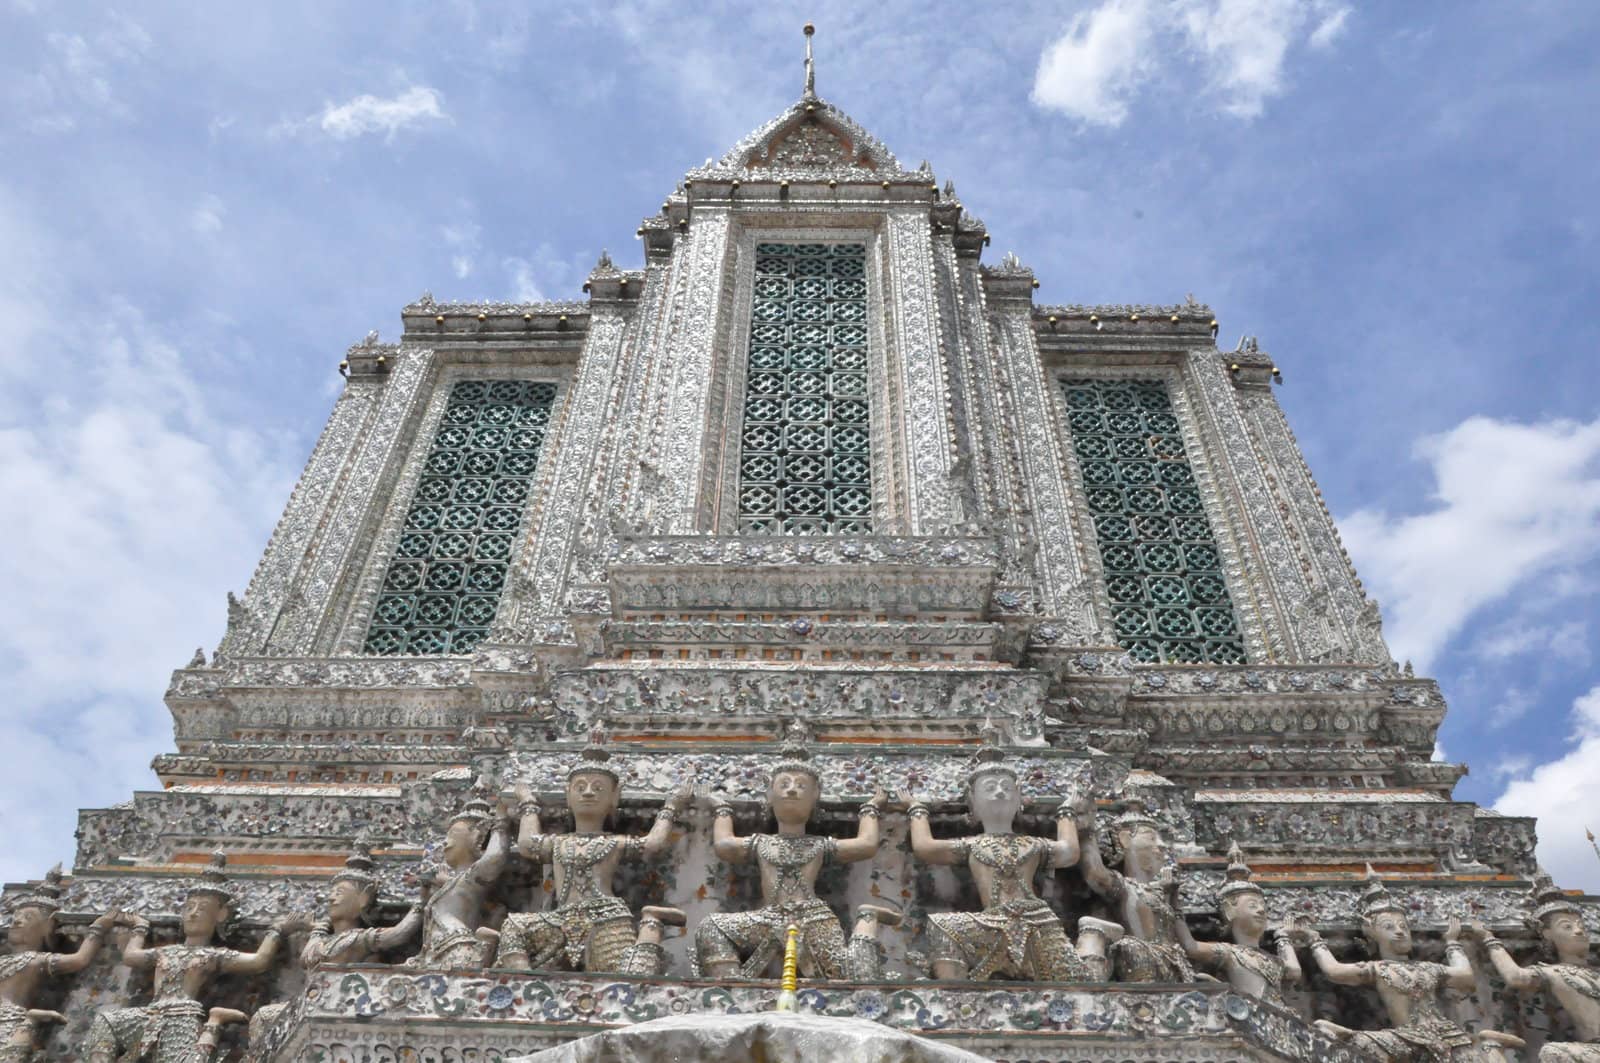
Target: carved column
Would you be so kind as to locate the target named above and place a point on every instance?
(675, 450)
(1339, 609)
(917, 358)
(1024, 388)
(540, 578)
(330, 558)
(1278, 587)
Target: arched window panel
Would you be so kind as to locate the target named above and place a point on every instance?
(805, 462)
(443, 585)
(1163, 571)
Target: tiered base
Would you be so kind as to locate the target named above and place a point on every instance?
(367, 1013)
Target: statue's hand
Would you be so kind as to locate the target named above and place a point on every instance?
(1083, 811)
(1301, 936)
(1469, 930)
(288, 924)
(879, 798)
(1452, 929)
(133, 921)
(109, 919)
(681, 798)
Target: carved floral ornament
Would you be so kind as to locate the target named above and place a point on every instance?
(810, 143)
(811, 135)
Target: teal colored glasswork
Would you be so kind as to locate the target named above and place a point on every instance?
(1163, 573)
(805, 463)
(444, 583)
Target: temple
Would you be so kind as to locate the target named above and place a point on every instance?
(812, 575)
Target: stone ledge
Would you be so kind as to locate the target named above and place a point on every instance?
(480, 1006)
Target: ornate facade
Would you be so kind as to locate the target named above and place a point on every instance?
(824, 517)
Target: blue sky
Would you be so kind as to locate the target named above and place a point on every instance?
(199, 210)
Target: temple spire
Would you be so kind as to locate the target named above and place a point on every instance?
(811, 68)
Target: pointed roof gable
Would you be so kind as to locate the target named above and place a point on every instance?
(810, 138)
(813, 138)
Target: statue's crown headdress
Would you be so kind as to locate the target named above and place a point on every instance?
(214, 880)
(990, 758)
(1238, 877)
(1549, 899)
(592, 761)
(1376, 898)
(476, 809)
(359, 868)
(1133, 816)
(46, 895)
(795, 753)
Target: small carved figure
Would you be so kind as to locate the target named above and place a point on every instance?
(1145, 889)
(345, 937)
(33, 926)
(1410, 989)
(474, 851)
(1571, 980)
(589, 928)
(175, 1027)
(1016, 935)
(790, 861)
(1249, 968)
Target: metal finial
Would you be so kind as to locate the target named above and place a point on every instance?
(791, 969)
(811, 68)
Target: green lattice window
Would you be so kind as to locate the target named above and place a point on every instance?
(805, 464)
(1163, 572)
(443, 586)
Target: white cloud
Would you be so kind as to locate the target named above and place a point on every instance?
(1092, 69)
(464, 237)
(1512, 501)
(372, 114)
(1330, 29)
(1565, 795)
(206, 218)
(1244, 43)
(1239, 47)
(1566, 641)
(1512, 705)
(544, 274)
(77, 76)
(133, 509)
(525, 289)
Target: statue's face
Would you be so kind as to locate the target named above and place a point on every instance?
(30, 927)
(347, 900)
(460, 843)
(1391, 932)
(793, 794)
(1248, 913)
(1146, 852)
(202, 914)
(1566, 934)
(995, 795)
(592, 792)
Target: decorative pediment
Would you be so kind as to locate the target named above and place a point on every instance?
(808, 143)
(810, 138)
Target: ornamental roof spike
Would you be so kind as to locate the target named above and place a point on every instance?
(811, 138)
(810, 91)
